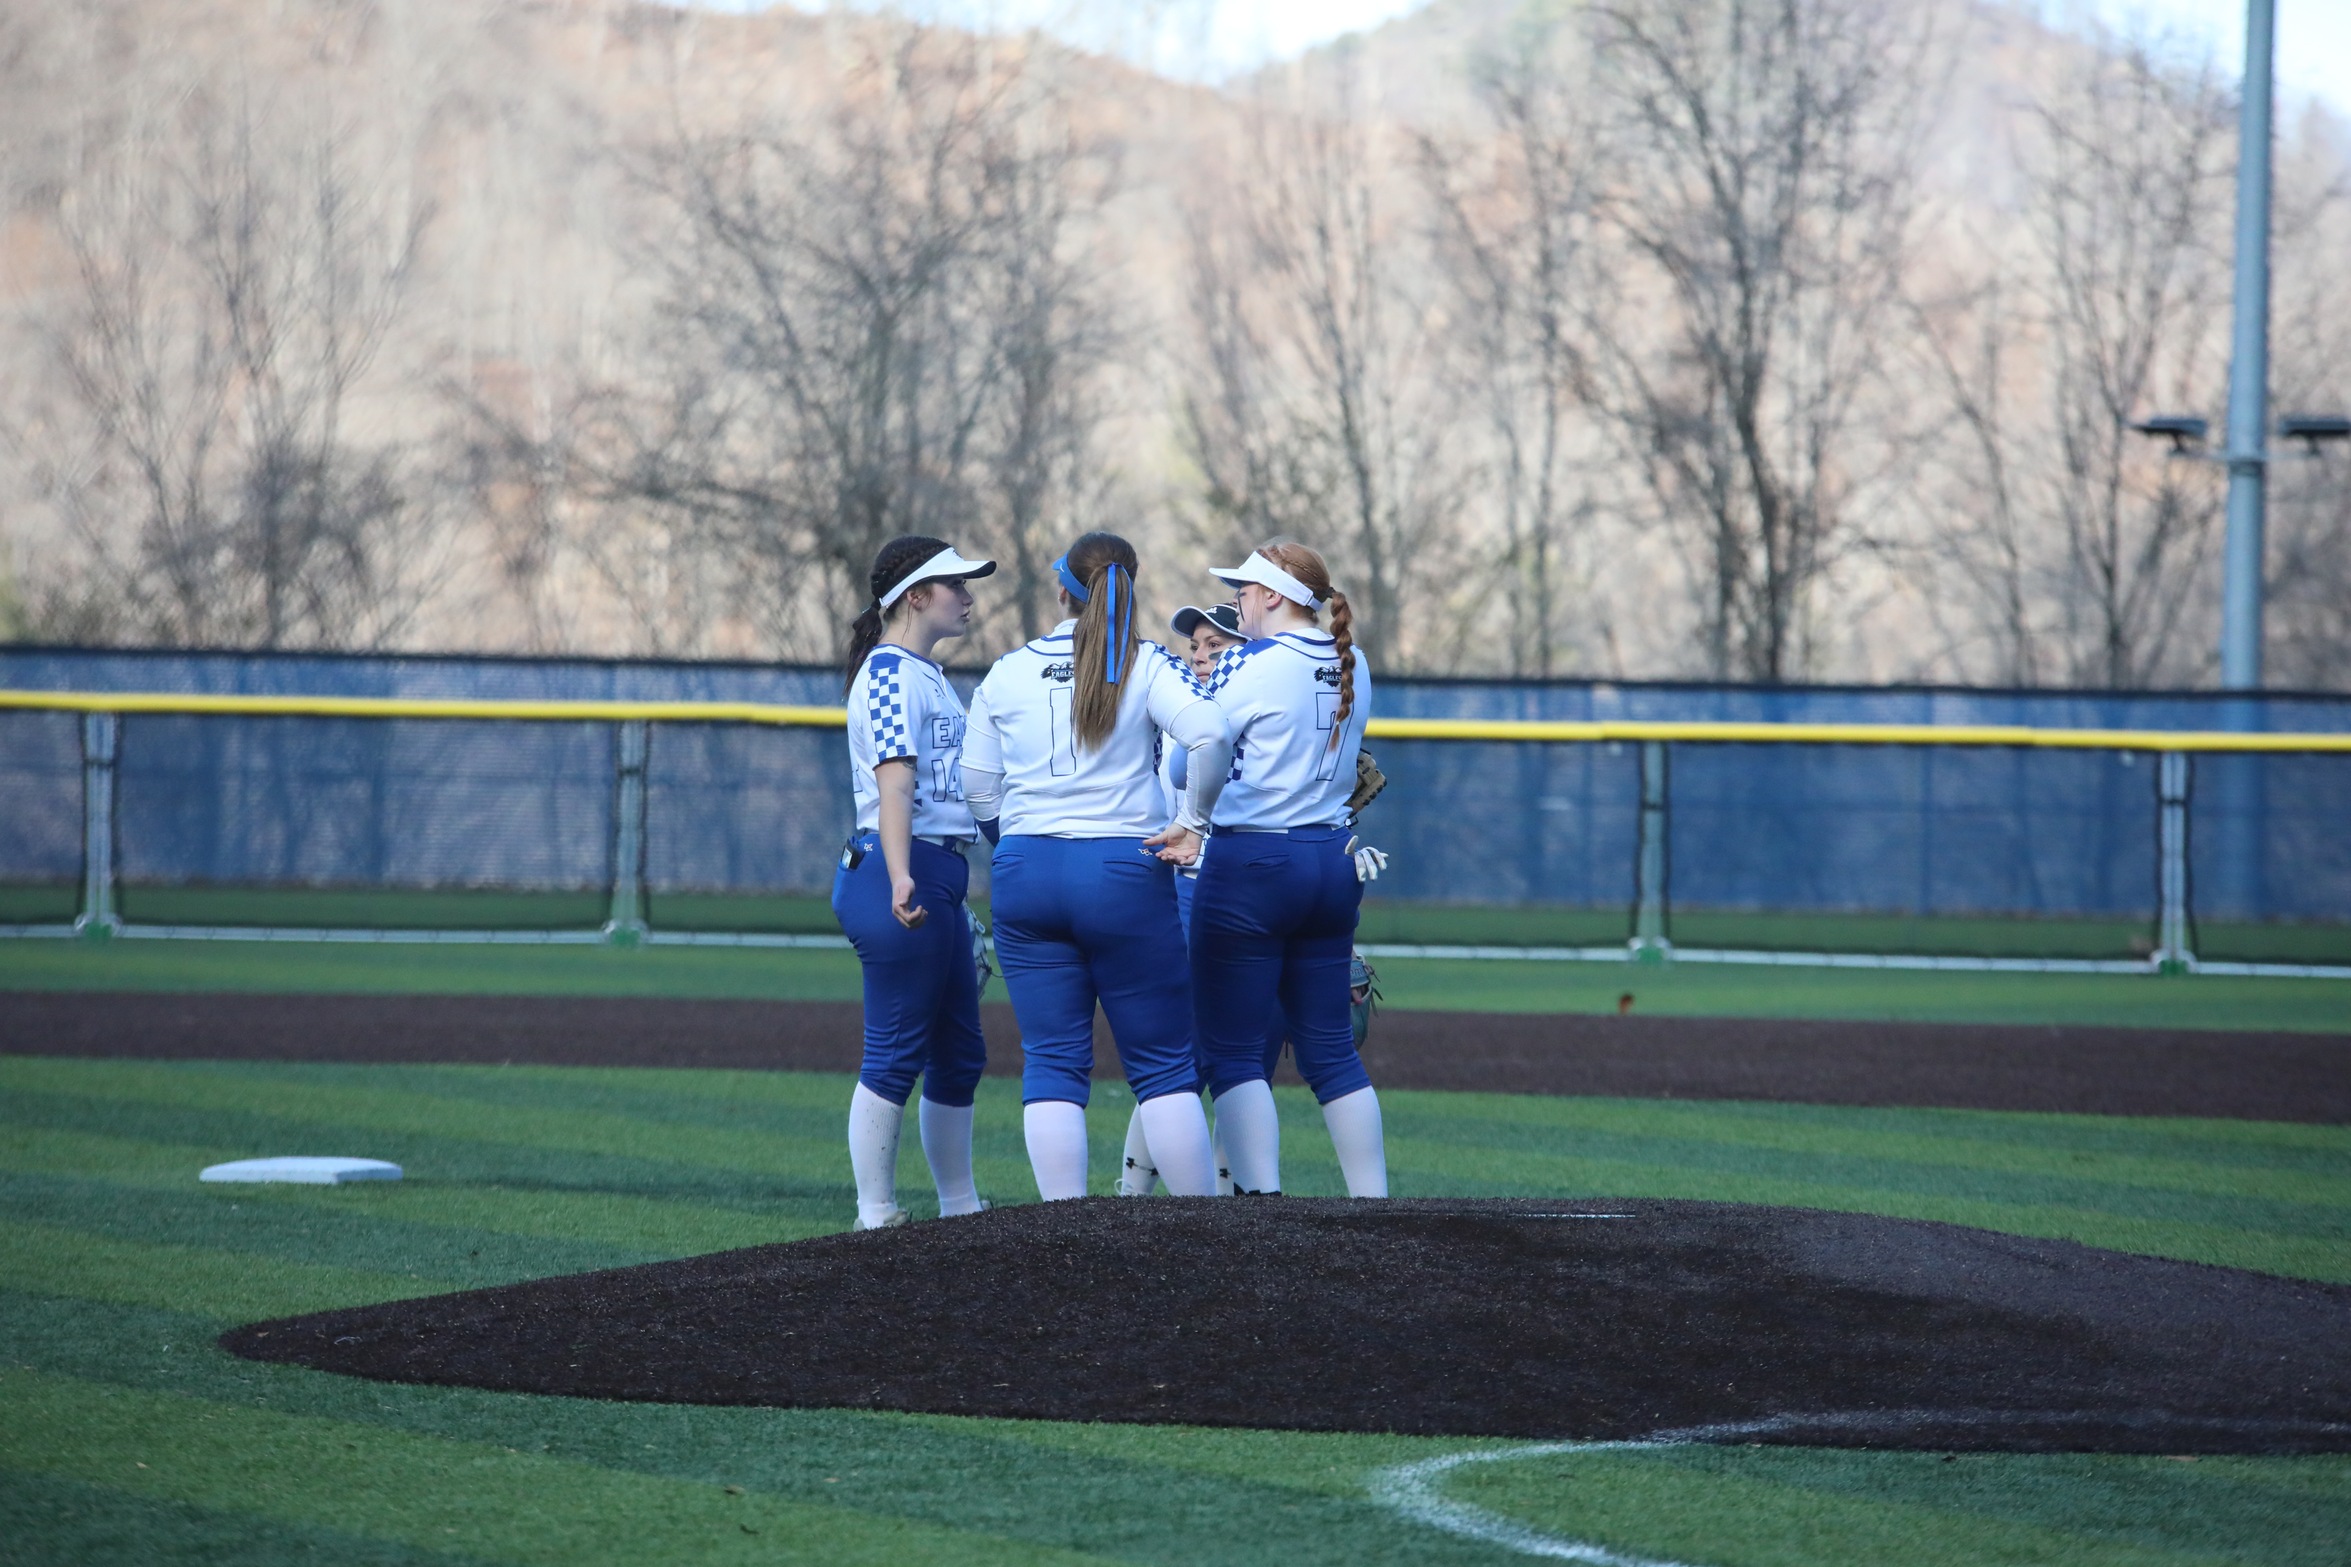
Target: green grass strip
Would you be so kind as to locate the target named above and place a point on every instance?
(229, 1285)
(436, 1493)
(2003, 1143)
(1652, 1506)
(648, 1226)
(1669, 989)
(47, 1519)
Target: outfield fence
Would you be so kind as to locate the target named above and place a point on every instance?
(1897, 838)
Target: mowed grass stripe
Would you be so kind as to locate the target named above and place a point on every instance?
(643, 1226)
(2004, 1142)
(1649, 1505)
(433, 1492)
(229, 1285)
(401, 1110)
(48, 1519)
(2301, 1506)
(354, 1234)
(1700, 1158)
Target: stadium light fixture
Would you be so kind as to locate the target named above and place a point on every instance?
(2310, 429)
(2186, 432)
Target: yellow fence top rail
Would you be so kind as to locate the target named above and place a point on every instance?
(1504, 729)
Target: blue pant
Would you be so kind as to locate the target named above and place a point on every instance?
(1273, 924)
(1277, 1027)
(922, 990)
(1081, 920)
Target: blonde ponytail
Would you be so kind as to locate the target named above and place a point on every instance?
(1099, 571)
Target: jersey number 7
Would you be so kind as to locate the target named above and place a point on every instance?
(1326, 715)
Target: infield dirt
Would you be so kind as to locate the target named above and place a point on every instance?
(1597, 1319)
(2097, 1071)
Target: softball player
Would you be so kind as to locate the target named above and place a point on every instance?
(1273, 918)
(1207, 632)
(1062, 759)
(899, 891)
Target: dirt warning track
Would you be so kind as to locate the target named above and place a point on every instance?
(2105, 1071)
(1592, 1319)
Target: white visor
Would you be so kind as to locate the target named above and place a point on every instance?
(1266, 574)
(944, 564)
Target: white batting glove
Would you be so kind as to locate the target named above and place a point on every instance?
(1369, 862)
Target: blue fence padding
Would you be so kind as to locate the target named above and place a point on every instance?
(736, 809)
(364, 802)
(40, 797)
(1910, 830)
(1480, 823)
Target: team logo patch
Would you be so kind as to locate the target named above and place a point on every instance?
(1063, 671)
(1326, 674)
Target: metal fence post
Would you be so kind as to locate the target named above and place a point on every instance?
(2172, 954)
(626, 924)
(1649, 908)
(97, 919)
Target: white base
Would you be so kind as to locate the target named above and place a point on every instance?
(303, 1171)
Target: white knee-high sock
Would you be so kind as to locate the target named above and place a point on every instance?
(1251, 1133)
(1137, 1173)
(1224, 1166)
(946, 1143)
(1354, 1120)
(873, 1154)
(1057, 1147)
(1178, 1131)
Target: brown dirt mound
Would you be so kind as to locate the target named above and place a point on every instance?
(1532, 1319)
(2095, 1071)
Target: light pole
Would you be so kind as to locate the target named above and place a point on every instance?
(2240, 605)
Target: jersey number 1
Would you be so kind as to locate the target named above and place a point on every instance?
(1065, 746)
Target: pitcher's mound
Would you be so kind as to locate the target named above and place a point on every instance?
(1590, 1319)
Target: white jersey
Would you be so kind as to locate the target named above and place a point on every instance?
(1280, 696)
(1023, 726)
(900, 705)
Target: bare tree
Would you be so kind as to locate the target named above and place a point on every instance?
(1515, 209)
(1313, 408)
(1052, 337)
(880, 323)
(2080, 552)
(1762, 156)
(2130, 198)
(233, 285)
(2309, 622)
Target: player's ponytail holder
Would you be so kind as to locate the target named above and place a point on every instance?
(1122, 622)
(1069, 580)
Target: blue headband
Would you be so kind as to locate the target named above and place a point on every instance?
(1122, 614)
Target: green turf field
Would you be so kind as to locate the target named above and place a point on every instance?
(1686, 989)
(1383, 921)
(126, 1438)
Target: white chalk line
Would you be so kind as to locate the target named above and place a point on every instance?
(1412, 1489)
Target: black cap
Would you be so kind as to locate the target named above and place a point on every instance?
(1222, 617)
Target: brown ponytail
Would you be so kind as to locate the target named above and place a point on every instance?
(1105, 620)
(896, 559)
(1310, 570)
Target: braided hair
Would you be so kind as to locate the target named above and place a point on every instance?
(1308, 567)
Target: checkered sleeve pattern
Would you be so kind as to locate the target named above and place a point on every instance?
(1228, 664)
(1182, 669)
(885, 710)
